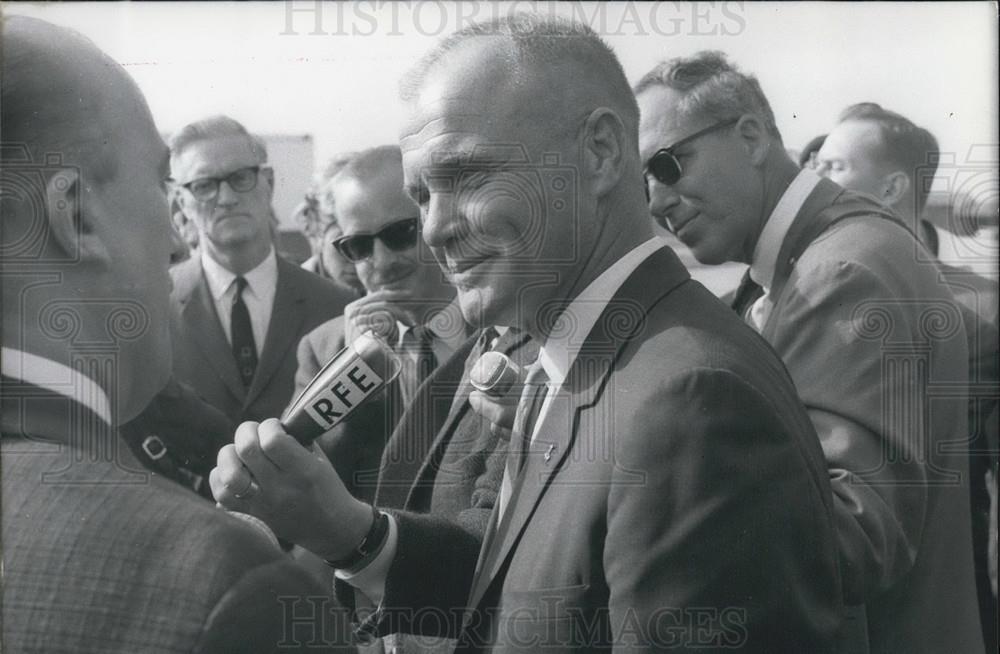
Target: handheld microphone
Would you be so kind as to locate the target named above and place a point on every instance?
(351, 377)
(495, 374)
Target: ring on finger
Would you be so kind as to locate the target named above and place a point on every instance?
(248, 492)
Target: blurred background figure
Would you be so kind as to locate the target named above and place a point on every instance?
(807, 157)
(318, 219)
(883, 154)
(186, 229)
(880, 152)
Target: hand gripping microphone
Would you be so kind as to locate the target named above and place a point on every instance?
(353, 376)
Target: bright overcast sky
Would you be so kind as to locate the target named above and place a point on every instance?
(261, 63)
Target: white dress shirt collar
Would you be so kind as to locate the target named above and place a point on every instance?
(57, 378)
(765, 255)
(571, 328)
(262, 286)
(219, 278)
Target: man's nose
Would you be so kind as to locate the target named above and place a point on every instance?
(438, 221)
(662, 200)
(383, 257)
(226, 197)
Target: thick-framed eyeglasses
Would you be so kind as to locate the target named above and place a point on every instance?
(665, 167)
(397, 236)
(206, 189)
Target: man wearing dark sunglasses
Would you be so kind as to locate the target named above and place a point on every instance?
(408, 301)
(842, 290)
(239, 309)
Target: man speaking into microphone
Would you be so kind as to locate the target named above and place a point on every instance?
(663, 486)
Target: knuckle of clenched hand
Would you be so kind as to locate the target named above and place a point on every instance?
(228, 477)
(270, 442)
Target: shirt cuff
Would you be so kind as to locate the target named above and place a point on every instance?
(370, 579)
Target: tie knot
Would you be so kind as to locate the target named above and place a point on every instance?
(241, 284)
(418, 339)
(486, 339)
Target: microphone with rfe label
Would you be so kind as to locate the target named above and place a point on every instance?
(351, 377)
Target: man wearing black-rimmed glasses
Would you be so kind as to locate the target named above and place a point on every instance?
(873, 341)
(239, 309)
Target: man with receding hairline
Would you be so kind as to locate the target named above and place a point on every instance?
(663, 487)
(239, 309)
(98, 555)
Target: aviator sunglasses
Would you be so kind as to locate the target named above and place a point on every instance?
(665, 167)
(397, 236)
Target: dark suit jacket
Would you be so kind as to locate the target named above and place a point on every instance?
(355, 446)
(203, 358)
(100, 556)
(443, 465)
(683, 487)
(867, 330)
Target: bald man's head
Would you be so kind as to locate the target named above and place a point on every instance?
(521, 147)
(57, 86)
(549, 69)
(85, 170)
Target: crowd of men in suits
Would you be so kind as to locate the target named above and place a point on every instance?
(809, 469)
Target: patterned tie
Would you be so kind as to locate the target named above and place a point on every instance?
(244, 348)
(536, 387)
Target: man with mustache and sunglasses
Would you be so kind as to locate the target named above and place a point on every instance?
(874, 343)
(407, 301)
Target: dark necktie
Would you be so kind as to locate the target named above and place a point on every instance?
(244, 348)
(420, 361)
(748, 292)
(487, 339)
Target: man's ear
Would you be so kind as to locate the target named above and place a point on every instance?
(268, 174)
(756, 141)
(603, 149)
(895, 186)
(71, 227)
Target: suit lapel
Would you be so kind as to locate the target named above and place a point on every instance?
(417, 433)
(283, 332)
(620, 322)
(201, 321)
(459, 409)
